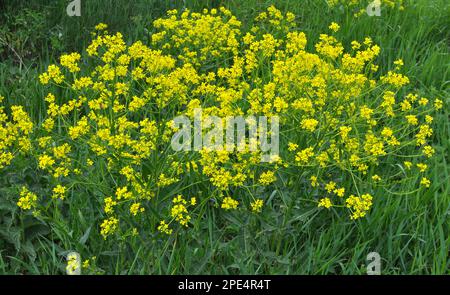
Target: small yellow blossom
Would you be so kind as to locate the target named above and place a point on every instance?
(334, 27)
(330, 186)
(267, 178)
(109, 226)
(27, 199)
(325, 202)
(136, 208)
(59, 192)
(376, 178)
(257, 205)
(229, 203)
(425, 182)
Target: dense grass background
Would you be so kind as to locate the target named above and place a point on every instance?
(411, 232)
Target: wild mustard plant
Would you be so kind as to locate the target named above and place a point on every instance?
(110, 111)
(15, 132)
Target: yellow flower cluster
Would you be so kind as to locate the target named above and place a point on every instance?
(198, 38)
(325, 202)
(267, 178)
(359, 205)
(14, 133)
(108, 226)
(340, 124)
(53, 73)
(164, 228)
(229, 203)
(59, 192)
(179, 213)
(70, 61)
(257, 205)
(27, 200)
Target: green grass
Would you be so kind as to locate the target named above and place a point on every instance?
(411, 232)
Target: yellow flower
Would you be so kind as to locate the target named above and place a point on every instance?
(424, 132)
(46, 161)
(423, 101)
(329, 100)
(359, 205)
(425, 182)
(59, 192)
(165, 181)
(292, 146)
(304, 156)
(344, 131)
(163, 227)
(422, 167)
(136, 208)
(123, 193)
(179, 199)
(109, 205)
(334, 27)
(257, 205)
(339, 191)
(325, 202)
(60, 152)
(86, 263)
(408, 164)
(228, 203)
(109, 226)
(27, 199)
(179, 211)
(366, 112)
(53, 73)
(376, 178)
(428, 151)
(438, 104)
(399, 62)
(267, 178)
(405, 105)
(330, 186)
(309, 124)
(70, 61)
(101, 27)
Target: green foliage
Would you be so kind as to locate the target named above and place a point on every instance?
(411, 233)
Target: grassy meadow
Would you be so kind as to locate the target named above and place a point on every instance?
(407, 224)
